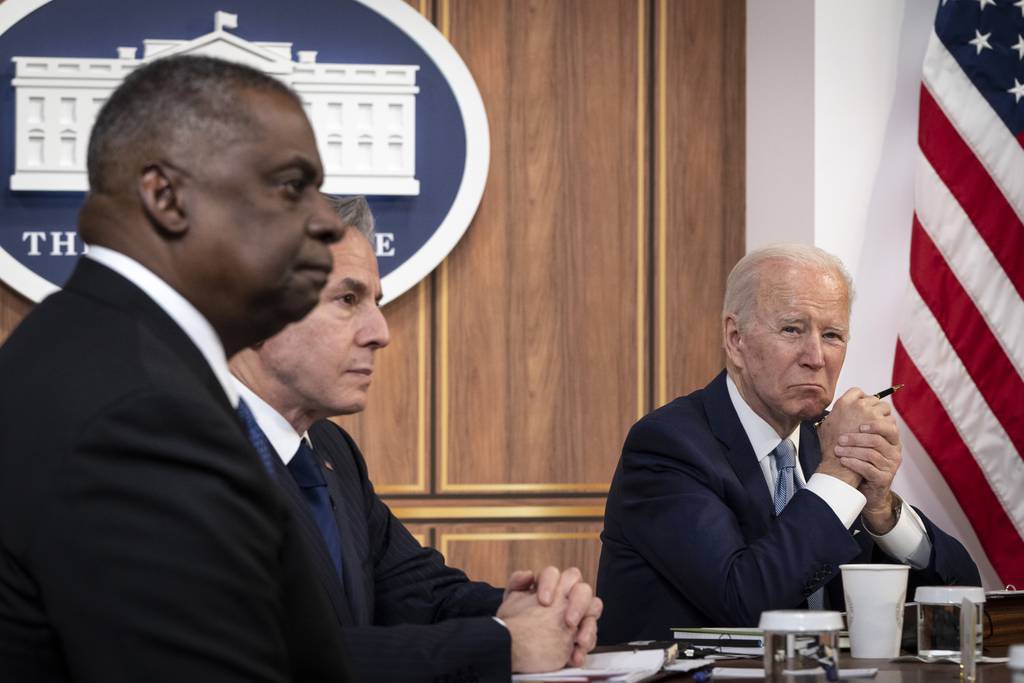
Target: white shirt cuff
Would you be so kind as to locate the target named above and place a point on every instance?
(907, 542)
(845, 501)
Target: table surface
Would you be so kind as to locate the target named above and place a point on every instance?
(894, 672)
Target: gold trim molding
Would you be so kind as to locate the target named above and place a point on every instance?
(641, 209)
(474, 512)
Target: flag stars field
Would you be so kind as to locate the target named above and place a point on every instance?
(1017, 90)
(1019, 45)
(981, 41)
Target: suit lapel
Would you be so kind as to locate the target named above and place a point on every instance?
(352, 559)
(727, 428)
(325, 571)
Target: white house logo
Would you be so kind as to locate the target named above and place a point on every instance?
(396, 114)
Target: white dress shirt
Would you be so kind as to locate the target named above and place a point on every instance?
(906, 542)
(188, 318)
(279, 432)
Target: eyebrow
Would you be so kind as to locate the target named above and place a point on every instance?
(309, 170)
(358, 287)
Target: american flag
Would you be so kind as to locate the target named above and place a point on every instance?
(961, 344)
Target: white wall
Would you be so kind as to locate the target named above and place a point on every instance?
(780, 137)
(867, 59)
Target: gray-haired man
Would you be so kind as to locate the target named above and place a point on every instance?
(407, 616)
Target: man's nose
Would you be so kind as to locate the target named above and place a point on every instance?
(380, 334)
(375, 331)
(813, 352)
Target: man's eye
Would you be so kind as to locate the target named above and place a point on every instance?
(348, 299)
(295, 187)
(790, 329)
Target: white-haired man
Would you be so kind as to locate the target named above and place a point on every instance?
(731, 501)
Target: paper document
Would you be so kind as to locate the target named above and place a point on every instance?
(613, 666)
(631, 660)
(685, 665)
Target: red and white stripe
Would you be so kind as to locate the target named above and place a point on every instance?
(961, 343)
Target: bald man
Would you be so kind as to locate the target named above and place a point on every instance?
(142, 538)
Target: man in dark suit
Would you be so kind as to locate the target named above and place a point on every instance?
(712, 518)
(141, 536)
(407, 616)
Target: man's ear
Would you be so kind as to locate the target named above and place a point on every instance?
(159, 190)
(732, 340)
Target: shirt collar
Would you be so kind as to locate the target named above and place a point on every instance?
(763, 438)
(278, 430)
(187, 316)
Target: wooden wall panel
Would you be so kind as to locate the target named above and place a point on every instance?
(13, 307)
(491, 552)
(699, 189)
(539, 298)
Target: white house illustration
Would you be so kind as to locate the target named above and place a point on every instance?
(364, 115)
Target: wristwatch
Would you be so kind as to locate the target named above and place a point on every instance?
(897, 508)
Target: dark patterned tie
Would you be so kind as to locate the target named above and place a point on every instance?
(257, 437)
(306, 472)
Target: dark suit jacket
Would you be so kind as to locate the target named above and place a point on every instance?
(690, 537)
(141, 538)
(407, 616)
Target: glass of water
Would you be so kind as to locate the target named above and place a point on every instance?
(801, 642)
(939, 615)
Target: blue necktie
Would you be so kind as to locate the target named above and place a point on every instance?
(785, 487)
(257, 437)
(305, 470)
(785, 464)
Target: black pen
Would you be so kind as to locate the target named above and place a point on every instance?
(881, 394)
(891, 390)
